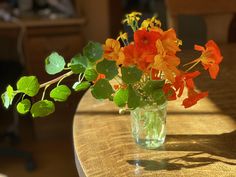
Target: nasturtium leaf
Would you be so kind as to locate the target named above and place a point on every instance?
(93, 51)
(159, 96)
(24, 106)
(60, 93)
(28, 85)
(8, 96)
(102, 89)
(131, 74)
(81, 86)
(133, 98)
(90, 74)
(108, 68)
(121, 97)
(152, 85)
(78, 64)
(54, 63)
(42, 108)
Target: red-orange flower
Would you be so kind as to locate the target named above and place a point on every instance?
(169, 92)
(100, 76)
(154, 74)
(211, 58)
(116, 86)
(185, 78)
(145, 41)
(193, 98)
(132, 55)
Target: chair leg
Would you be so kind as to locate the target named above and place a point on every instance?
(30, 164)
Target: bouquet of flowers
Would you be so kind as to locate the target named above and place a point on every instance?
(130, 71)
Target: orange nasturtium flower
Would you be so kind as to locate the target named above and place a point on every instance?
(166, 63)
(112, 51)
(210, 59)
(169, 92)
(185, 78)
(131, 55)
(193, 98)
(145, 41)
(170, 41)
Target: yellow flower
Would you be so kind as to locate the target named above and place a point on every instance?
(132, 20)
(122, 36)
(151, 23)
(112, 51)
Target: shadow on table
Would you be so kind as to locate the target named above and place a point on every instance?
(223, 145)
(184, 162)
(209, 149)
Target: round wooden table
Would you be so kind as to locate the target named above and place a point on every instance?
(201, 141)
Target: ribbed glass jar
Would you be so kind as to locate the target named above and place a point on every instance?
(148, 124)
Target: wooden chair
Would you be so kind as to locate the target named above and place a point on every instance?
(217, 15)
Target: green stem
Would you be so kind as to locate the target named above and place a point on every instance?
(44, 91)
(195, 64)
(81, 78)
(56, 79)
(23, 97)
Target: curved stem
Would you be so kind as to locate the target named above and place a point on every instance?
(56, 79)
(195, 64)
(44, 91)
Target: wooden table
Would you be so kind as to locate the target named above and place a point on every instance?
(201, 141)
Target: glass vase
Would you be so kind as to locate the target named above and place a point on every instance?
(148, 125)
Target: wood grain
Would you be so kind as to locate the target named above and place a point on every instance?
(201, 141)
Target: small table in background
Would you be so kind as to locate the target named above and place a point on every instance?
(201, 141)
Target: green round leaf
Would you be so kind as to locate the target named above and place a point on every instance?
(102, 89)
(108, 68)
(90, 74)
(28, 85)
(121, 97)
(54, 63)
(24, 106)
(133, 98)
(81, 86)
(42, 108)
(78, 64)
(131, 74)
(60, 93)
(159, 96)
(8, 96)
(152, 85)
(93, 51)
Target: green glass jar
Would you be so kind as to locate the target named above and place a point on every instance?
(148, 125)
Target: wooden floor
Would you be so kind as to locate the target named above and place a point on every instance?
(54, 157)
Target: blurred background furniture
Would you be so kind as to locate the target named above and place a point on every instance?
(10, 71)
(217, 15)
(38, 38)
(25, 43)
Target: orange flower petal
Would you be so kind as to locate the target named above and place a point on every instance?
(193, 98)
(146, 40)
(214, 70)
